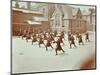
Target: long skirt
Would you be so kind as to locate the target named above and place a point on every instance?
(48, 44)
(58, 48)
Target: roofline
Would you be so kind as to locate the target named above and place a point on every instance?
(26, 11)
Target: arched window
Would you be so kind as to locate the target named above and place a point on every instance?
(57, 20)
(45, 12)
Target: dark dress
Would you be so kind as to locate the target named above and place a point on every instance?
(87, 36)
(34, 39)
(69, 37)
(48, 43)
(41, 41)
(80, 39)
(58, 47)
(72, 40)
(28, 36)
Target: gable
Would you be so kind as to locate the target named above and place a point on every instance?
(56, 12)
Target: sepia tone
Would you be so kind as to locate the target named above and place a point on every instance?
(49, 37)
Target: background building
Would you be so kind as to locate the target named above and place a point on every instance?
(53, 17)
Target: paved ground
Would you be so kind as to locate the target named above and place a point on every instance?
(31, 58)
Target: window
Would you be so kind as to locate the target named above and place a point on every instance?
(45, 12)
(57, 20)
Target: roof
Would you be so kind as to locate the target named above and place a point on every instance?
(40, 19)
(83, 11)
(33, 22)
(26, 11)
(63, 9)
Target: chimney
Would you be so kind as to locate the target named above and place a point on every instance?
(28, 5)
(17, 4)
